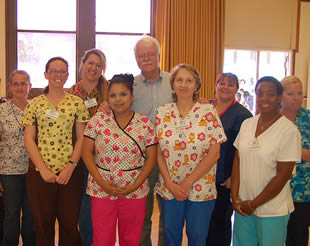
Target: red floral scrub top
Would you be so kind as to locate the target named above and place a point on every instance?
(120, 153)
(184, 143)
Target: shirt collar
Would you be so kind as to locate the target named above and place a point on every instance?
(148, 81)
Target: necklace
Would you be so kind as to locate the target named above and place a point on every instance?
(268, 122)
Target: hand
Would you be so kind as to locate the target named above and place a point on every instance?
(47, 175)
(109, 187)
(178, 192)
(203, 101)
(104, 107)
(227, 183)
(236, 204)
(65, 174)
(247, 207)
(1, 188)
(125, 190)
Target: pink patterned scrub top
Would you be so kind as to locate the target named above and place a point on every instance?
(120, 153)
(184, 143)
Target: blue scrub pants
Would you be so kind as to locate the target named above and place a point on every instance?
(197, 216)
(254, 230)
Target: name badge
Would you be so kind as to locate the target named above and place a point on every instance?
(90, 103)
(183, 123)
(52, 114)
(254, 144)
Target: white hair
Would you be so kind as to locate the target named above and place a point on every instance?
(149, 40)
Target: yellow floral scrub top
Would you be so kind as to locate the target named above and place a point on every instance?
(184, 143)
(55, 135)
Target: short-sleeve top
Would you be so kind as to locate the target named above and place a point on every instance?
(258, 162)
(14, 158)
(184, 143)
(120, 152)
(55, 135)
(300, 183)
(100, 93)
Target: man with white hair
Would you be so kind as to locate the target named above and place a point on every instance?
(151, 89)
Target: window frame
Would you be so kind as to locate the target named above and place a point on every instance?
(85, 32)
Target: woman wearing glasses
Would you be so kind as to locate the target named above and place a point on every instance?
(55, 180)
(93, 90)
(14, 163)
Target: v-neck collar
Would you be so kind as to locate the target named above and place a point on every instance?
(133, 115)
(60, 102)
(268, 129)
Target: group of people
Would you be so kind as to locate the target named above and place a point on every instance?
(100, 150)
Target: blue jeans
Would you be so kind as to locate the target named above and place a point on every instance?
(15, 199)
(85, 221)
(197, 216)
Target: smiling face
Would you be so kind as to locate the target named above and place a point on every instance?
(292, 97)
(92, 68)
(120, 98)
(19, 86)
(184, 84)
(226, 90)
(147, 57)
(267, 97)
(57, 74)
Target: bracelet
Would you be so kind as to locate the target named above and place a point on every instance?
(74, 164)
(249, 204)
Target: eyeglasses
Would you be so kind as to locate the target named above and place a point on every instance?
(149, 55)
(22, 84)
(56, 72)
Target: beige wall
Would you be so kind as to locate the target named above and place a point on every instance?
(261, 24)
(303, 56)
(2, 47)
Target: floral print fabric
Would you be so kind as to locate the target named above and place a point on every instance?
(184, 143)
(300, 184)
(13, 155)
(55, 135)
(120, 153)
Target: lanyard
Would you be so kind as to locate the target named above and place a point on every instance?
(77, 90)
(14, 113)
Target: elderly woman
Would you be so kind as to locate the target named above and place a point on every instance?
(189, 134)
(93, 90)
(14, 162)
(232, 114)
(268, 145)
(297, 230)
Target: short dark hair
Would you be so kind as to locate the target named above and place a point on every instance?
(56, 58)
(272, 80)
(124, 79)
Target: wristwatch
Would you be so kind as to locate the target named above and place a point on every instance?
(74, 164)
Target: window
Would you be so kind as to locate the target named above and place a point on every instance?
(250, 65)
(68, 28)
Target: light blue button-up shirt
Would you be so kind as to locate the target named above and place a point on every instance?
(150, 95)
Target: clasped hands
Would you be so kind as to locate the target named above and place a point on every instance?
(62, 178)
(245, 208)
(111, 188)
(179, 191)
